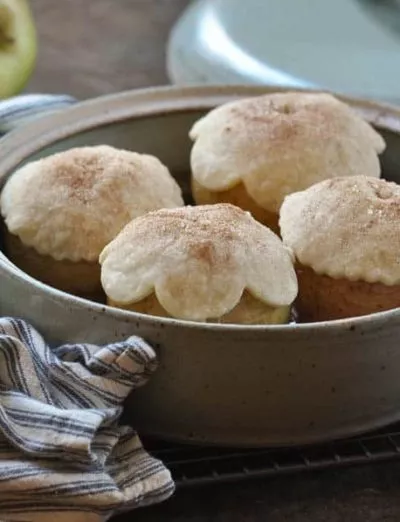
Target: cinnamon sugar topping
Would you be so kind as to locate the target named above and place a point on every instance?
(346, 228)
(281, 143)
(71, 204)
(198, 261)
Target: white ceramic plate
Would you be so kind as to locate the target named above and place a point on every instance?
(349, 46)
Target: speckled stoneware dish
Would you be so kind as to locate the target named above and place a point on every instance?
(216, 384)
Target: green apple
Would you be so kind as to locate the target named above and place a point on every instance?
(18, 46)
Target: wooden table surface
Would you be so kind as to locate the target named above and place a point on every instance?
(93, 47)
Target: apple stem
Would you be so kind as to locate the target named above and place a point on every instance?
(6, 19)
(5, 39)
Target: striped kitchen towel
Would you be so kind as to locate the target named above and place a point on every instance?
(63, 455)
(21, 109)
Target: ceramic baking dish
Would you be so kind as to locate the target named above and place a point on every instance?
(216, 384)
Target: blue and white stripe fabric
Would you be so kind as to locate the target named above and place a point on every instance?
(21, 109)
(63, 454)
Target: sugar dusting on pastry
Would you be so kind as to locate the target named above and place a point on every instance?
(281, 143)
(198, 261)
(346, 228)
(71, 204)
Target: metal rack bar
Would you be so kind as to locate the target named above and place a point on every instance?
(195, 466)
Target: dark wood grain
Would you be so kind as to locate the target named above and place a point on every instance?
(94, 47)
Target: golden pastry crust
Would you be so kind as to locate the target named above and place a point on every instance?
(249, 310)
(198, 261)
(281, 143)
(71, 204)
(346, 228)
(81, 278)
(322, 298)
(239, 197)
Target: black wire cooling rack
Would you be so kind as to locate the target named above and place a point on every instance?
(198, 466)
